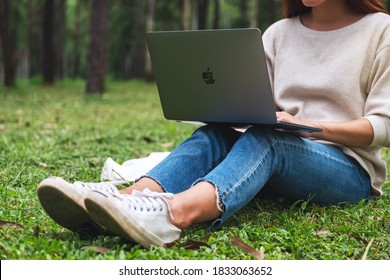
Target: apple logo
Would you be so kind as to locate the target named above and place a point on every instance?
(208, 77)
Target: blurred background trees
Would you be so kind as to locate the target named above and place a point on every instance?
(49, 40)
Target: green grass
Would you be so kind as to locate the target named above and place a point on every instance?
(48, 131)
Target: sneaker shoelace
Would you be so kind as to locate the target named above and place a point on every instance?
(103, 186)
(148, 201)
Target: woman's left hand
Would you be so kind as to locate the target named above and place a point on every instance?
(286, 117)
(357, 133)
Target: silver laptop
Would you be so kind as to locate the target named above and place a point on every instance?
(214, 77)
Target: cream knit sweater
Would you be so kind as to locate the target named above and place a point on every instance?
(336, 76)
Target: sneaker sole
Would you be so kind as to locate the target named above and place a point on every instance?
(107, 214)
(63, 207)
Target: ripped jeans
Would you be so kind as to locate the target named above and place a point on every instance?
(239, 165)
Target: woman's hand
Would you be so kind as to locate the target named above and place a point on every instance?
(355, 133)
(286, 117)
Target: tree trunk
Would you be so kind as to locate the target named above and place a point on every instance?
(243, 20)
(48, 61)
(7, 43)
(34, 35)
(138, 49)
(202, 13)
(186, 15)
(149, 27)
(76, 41)
(97, 47)
(217, 11)
(254, 13)
(60, 38)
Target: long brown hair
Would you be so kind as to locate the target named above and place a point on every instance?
(293, 8)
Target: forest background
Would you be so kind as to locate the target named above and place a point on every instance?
(51, 40)
(55, 52)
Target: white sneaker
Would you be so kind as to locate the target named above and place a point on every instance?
(141, 216)
(64, 202)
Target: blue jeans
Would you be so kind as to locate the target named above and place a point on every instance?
(239, 165)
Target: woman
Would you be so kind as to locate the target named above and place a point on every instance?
(329, 63)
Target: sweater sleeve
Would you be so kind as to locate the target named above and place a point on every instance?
(269, 49)
(377, 107)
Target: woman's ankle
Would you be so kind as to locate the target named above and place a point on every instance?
(196, 205)
(143, 183)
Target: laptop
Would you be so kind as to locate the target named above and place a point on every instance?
(215, 77)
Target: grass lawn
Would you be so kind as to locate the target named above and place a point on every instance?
(55, 130)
